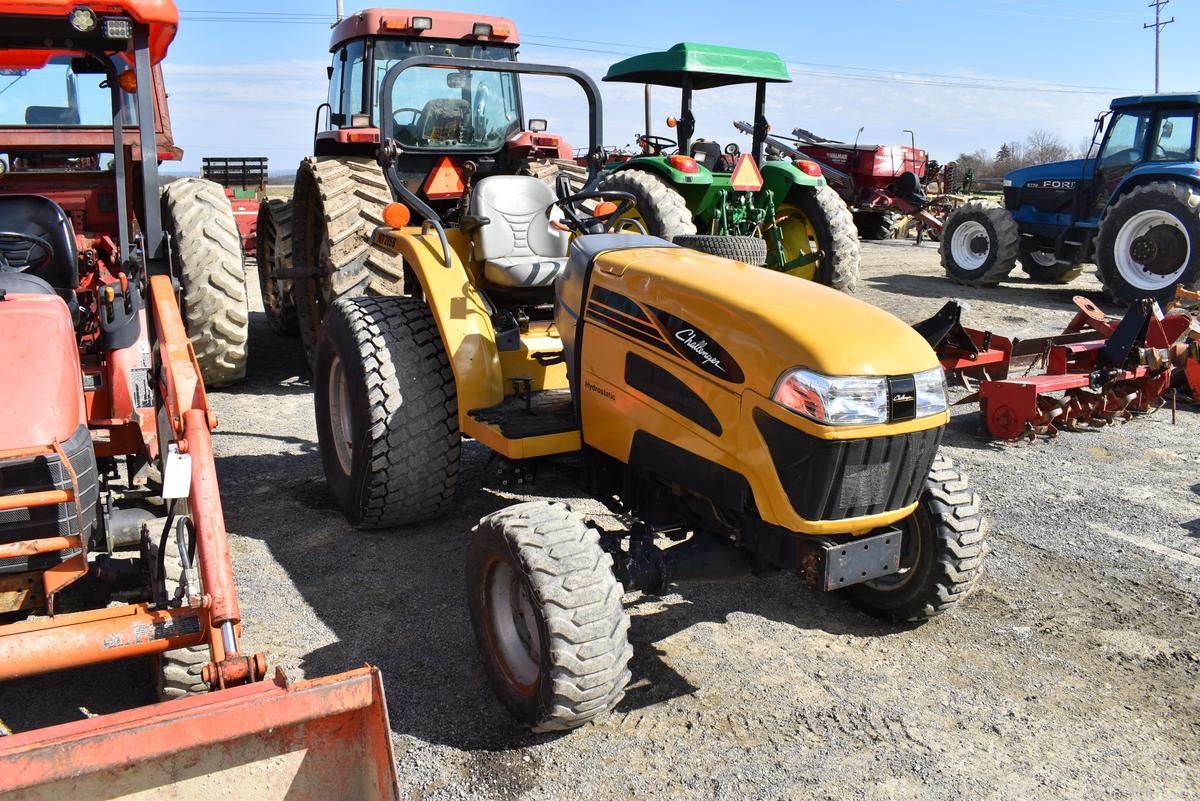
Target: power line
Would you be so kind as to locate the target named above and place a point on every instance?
(985, 10)
(1157, 25)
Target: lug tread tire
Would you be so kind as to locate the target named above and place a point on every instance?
(548, 170)
(836, 234)
(339, 200)
(406, 457)
(585, 666)
(1148, 196)
(274, 253)
(1006, 237)
(663, 210)
(749, 249)
(876, 225)
(959, 548)
(207, 254)
(177, 672)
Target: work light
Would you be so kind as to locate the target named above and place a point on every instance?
(83, 19)
(117, 28)
(481, 29)
(420, 23)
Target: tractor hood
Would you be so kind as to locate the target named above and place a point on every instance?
(748, 325)
(1070, 170)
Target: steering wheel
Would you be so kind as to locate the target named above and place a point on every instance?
(590, 222)
(38, 254)
(657, 144)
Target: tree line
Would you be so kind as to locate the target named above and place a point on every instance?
(1040, 147)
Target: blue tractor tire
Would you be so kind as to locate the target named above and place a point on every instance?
(1149, 242)
(979, 244)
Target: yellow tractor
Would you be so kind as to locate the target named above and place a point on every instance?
(740, 420)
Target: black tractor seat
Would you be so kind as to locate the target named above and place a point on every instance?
(43, 221)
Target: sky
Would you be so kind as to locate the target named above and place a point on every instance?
(245, 78)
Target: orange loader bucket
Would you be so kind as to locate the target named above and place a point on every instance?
(310, 741)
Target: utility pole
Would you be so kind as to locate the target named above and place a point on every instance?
(1158, 24)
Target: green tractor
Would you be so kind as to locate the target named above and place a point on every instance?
(715, 199)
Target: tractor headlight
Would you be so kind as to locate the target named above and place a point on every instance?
(83, 19)
(931, 392)
(839, 401)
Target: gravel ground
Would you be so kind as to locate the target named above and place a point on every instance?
(1071, 672)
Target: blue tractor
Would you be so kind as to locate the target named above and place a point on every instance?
(1133, 209)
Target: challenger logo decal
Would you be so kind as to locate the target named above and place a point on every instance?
(699, 348)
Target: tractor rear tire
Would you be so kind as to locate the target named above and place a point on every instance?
(942, 553)
(662, 209)
(337, 205)
(1159, 222)
(979, 244)
(177, 672)
(834, 235)
(207, 257)
(547, 614)
(874, 226)
(387, 412)
(1040, 264)
(274, 248)
(749, 249)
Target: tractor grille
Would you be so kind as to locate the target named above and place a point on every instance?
(41, 473)
(839, 479)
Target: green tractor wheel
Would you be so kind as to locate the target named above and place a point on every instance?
(818, 238)
(658, 207)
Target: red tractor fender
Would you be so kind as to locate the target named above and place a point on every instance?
(42, 398)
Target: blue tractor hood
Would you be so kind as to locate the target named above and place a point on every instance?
(1070, 170)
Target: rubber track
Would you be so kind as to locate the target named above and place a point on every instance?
(581, 600)
(412, 411)
(208, 254)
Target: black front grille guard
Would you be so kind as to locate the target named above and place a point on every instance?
(390, 149)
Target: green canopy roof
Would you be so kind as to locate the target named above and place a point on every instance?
(708, 65)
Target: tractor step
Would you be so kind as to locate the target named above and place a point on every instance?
(531, 414)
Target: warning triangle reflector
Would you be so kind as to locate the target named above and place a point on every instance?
(445, 181)
(746, 177)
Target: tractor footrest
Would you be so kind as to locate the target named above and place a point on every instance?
(535, 414)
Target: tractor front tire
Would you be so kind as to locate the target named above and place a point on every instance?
(749, 249)
(177, 673)
(829, 229)
(547, 614)
(1040, 264)
(941, 554)
(207, 256)
(337, 205)
(1149, 242)
(660, 208)
(387, 412)
(274, 248)
(979, 244)
(875, 226)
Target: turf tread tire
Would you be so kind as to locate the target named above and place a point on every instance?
(1003, 231)
(404, 411)
(1142, 198)
(663, 210)
(583, 623)
(207, 257)
(955, 561)
(749, 249)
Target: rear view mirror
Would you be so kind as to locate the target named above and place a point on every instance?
(1168, 128)
(87, 66)
(456, 80)
(537, 126)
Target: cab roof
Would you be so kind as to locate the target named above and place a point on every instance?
(24, 23)
(1176, 99)
(708, 66)
(398, 23)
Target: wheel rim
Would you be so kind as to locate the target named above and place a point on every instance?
(1152, 250)
(630, 217)
(799, 238)
(512, 625)
(970, 245)
(1043, 258)
(911, 546)
(339, 416)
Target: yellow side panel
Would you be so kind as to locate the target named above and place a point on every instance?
(541, 340)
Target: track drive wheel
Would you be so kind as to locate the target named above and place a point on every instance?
(274, 248)
(979, 244)
(176, 673)
(658, 207)
(1039, 263)
(387, 412)
(1149, 242)
(207, 257)
(941, 556)
(816, 219)
(337, 205)
(547, 614)
(749, 249)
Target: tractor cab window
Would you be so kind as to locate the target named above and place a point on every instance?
(346, 83)
(55, 96)
(448, 108)
(1173, 142)
(1126, 141)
